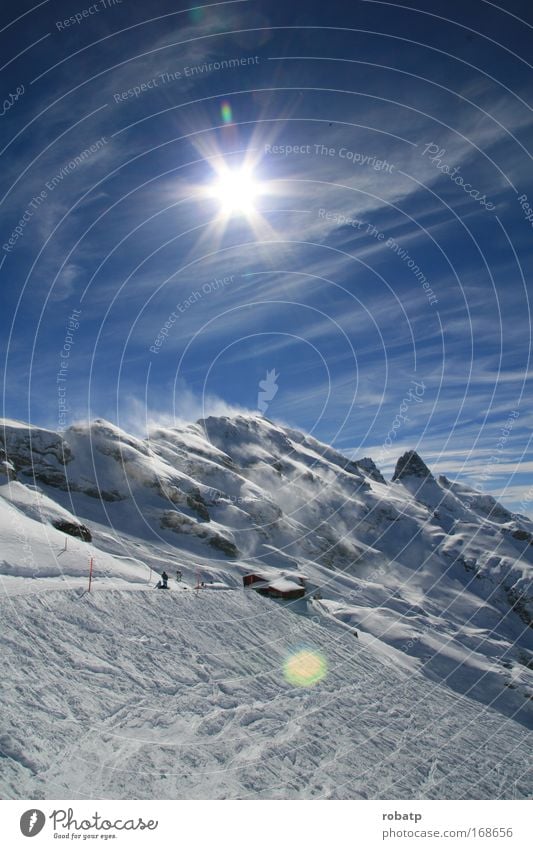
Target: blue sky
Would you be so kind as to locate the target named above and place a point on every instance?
(382, 277)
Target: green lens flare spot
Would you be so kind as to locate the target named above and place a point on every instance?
(305, 668)
(226, 112)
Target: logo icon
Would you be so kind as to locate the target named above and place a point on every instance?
(269, 389)
(32, 822)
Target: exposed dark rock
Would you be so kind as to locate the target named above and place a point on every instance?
(37, 454)
(181, 524)
(197, 503)
(521, 535)
(492, 509)
(411, 464)
(367, 466)
(50, 476)
(177, 522)
(72, 528)
(224, 545)
(7, 468)
(519, 603)
(525, 659)
(168, 492)
(94, 492)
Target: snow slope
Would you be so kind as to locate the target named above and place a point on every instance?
(435, 578)
(173, 695)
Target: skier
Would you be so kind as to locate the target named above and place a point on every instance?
(164, 578)
(178, 575)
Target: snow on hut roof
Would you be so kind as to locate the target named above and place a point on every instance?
(283, 585)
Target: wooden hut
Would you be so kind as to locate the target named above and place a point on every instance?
(286, 587)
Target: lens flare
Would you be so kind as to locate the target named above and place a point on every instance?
(196, 15)
(226, 112)
(305, 668)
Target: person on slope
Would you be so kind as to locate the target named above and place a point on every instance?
(163, 583)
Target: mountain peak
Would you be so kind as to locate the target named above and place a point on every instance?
(369, 468)
(411, 464)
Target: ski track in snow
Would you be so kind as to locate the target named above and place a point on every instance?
(147, 695)
(131, 693)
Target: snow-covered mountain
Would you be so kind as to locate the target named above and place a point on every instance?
(188, 688)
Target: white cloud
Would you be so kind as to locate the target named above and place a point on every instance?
(186, 406)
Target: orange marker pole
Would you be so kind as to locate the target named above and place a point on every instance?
(90, 573)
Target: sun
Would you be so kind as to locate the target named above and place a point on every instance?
(236, 191)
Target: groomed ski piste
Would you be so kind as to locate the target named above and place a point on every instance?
(404, 672)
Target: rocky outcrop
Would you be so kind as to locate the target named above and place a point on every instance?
(225, 545)
(196, 503)
(367, 466)
(181, 524)
(36, 453)
(7, 469)
(411, 464)
(73, 529)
